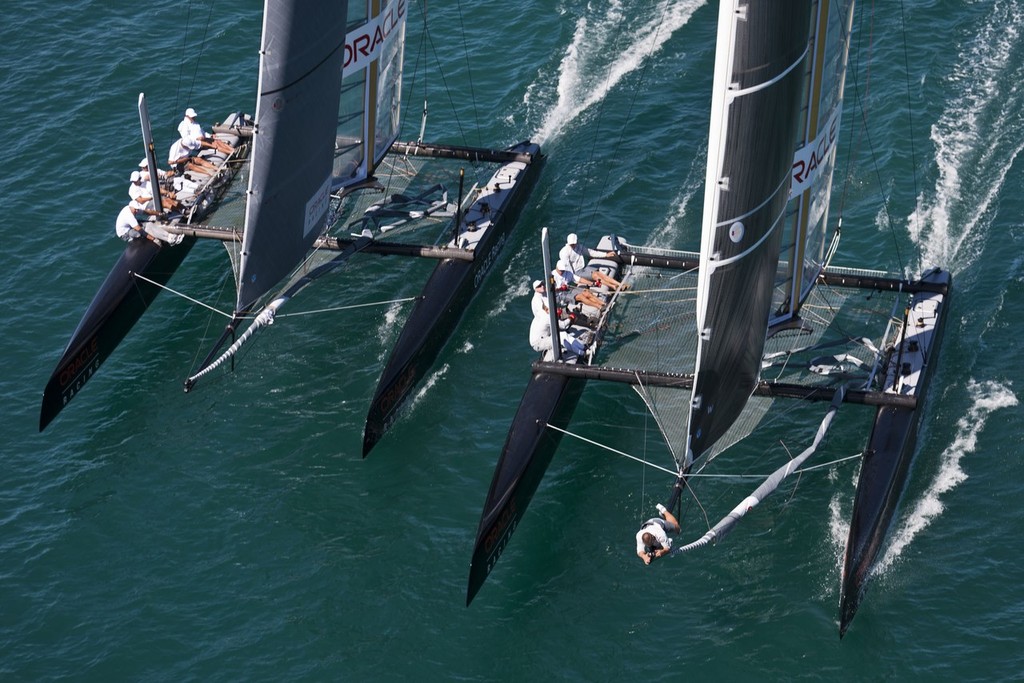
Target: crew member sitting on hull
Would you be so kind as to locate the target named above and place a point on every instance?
(182, 157)
(575, 258)
(570, 287)
(128, 228)
(540, 337)
(652, 540)
(161, 174)
(539, 302)
(189, 128)
(141, 193)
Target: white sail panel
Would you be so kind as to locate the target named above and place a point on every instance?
(301, 56)
(371, 97)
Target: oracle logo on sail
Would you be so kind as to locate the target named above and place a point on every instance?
(364, 44)
(808, 160)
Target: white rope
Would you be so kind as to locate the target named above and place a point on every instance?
(827, 464)
(183, 296)
(609, 448)
(280, 315)
(345, 308)
(692, 475)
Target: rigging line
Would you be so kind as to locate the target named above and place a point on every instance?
(447, 90)
(306, 75)
(675, 474)
(910, 108)
(346, 308)
(469, 74)
(881, 187)
(202, 47)
(860, 99)
(184, 51)
(658, 291)
(837, 461)
(609, 448)
(209, 319)
(420, 50)
(769, 485)
(177, 293)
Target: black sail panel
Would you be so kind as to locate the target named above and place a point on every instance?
(760, 86)
(301, 61)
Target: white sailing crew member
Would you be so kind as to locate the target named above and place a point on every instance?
(652, 540)
(575, 258)
(128, 228)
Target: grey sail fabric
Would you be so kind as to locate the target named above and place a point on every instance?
(759, 91)
(804, 252)
(370, 105)
(301, 60)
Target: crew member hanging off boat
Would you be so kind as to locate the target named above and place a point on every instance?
(652, 540)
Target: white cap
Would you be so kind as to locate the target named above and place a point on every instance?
(191, 113)
(561, 265)
(571, 239)
(136, 177)
(144, 163)
(537, 283)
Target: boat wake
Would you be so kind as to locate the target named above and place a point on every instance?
(986, 398)
(599, 57)
(428, 384)
(518, 288)
(979, 129)
(388, 325)
(674, 230)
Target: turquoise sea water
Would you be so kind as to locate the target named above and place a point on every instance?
(234, 533)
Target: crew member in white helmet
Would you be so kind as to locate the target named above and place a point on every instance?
(190, 129)
(128, 228)
(575, 258)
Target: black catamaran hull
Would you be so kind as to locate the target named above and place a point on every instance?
(123, 297)
(437, 312)
(550, 399)
(886, 464)
(529, 447)
(117, 306)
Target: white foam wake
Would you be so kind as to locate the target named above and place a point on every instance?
(986, 398)
(976, 139)
(585, 73)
